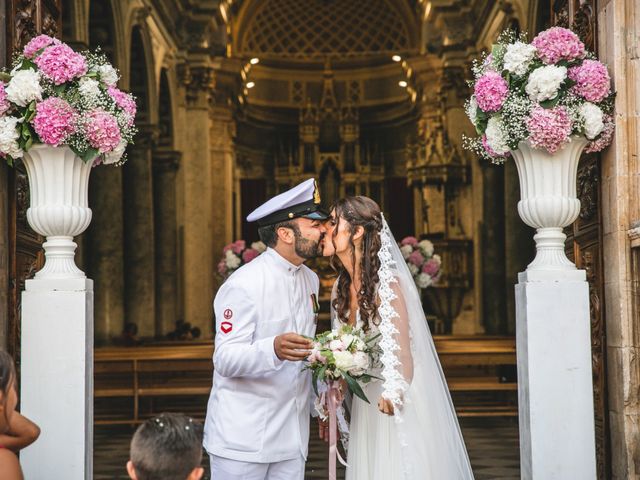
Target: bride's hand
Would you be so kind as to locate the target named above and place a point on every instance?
(385, 406)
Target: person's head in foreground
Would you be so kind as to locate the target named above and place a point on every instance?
(166, 447)
(9, 466)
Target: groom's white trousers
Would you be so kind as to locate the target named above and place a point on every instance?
(226, 469)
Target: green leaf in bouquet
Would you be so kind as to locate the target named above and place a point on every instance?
(314, 383)
(355, 387)
(59, 89)
(89, 154)
(27, 64)
(5, 77)
(9, 160)
(550, 103)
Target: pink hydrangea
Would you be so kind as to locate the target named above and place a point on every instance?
(249, 254)
(431, 267)
(238, 246)
(592, 80)
(416, 258)
(124, 101)
(604, 139)
(4, 103)
(549, 128)
(38, 43)
(413, 241)
(54, 121)
(102, 131)
(491, 91)
(557, 44)
(60, 63)
(491, 151)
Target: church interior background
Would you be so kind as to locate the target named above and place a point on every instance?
(239, 100)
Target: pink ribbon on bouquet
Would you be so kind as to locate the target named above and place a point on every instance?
(331, 399)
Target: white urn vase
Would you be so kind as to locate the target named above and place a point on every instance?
(548, 200)
(59, 207)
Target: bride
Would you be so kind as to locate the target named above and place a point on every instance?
(409, 431)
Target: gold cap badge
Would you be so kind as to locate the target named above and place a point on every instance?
(316, 193)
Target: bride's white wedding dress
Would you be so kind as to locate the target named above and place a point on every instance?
(422, 441)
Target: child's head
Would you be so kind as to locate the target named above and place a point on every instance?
(8, 394)
(166, 447)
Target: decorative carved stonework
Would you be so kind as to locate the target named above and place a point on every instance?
(197, 80)
(24, 29)
(584, 24)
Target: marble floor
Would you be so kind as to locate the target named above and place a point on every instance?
(492, 444)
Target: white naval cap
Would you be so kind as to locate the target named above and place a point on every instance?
(303, 200)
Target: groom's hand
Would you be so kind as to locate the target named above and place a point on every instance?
(291, 346)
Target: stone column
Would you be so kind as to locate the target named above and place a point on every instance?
(104, 242)
(139, 243)
(165, 165)
(197, 197)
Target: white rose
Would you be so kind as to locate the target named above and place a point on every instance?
(423, 280)
(231, 259)
(115, 155)
(497, 135)
(9, 137)
(518, 57)
(361, 363)
(336, 345)
(427, 247)
(259, 246)
(544, 82)
(593, 123)
(438, 259)
(344, 360)
(472, 109)
(108, 74)
(347, 340)
(89, 89)
(406, 251)
(413, 269)
(24, 87)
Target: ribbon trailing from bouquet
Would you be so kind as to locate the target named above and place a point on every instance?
(331, 399)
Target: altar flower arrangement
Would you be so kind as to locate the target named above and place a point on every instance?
(56, 96)
(423, 264)
(543, 92)
(236, 254)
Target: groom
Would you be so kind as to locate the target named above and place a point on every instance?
(257, 424)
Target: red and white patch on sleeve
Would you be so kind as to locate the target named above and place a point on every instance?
(226, 327)
(228, 313)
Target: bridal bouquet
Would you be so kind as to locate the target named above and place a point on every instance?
(343, 353)
(543, 92)
(423, 264)
(56, 96)
(237, 254)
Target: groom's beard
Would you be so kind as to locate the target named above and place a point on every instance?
(306, 248)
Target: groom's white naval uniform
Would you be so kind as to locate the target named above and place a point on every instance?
(257, 423)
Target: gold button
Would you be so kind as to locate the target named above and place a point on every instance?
(290, 215)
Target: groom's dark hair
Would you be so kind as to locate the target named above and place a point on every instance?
(166, 447)
(269, 233)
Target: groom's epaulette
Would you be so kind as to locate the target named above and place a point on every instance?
(303, 200)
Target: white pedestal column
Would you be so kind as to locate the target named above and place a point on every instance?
(57, 377)
(555, 392)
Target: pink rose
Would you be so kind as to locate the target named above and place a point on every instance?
(238, 246)
(416, 258)
(222, 267)
(227, 248)
(431, 267)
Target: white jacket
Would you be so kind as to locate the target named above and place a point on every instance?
(259, 407)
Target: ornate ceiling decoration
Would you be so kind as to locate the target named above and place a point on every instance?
(317, 29)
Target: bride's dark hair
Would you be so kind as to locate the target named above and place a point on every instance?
(359, 212)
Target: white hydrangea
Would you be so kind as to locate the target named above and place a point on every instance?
(108, 74)
(9, 137)
(518, 57)
(471, 108)
(437, 258)
(259, 246)
(592, 116)
(406, 251)
(89, 89)
(497, 135)
(231, 259)
(427, 247)
(423, 280)
(413, 269)
(544, 82)
(24, 87)
(116, 154)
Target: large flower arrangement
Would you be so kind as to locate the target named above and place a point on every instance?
(56, 96)
(237, 254)
(423, 264)
(543, 92)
